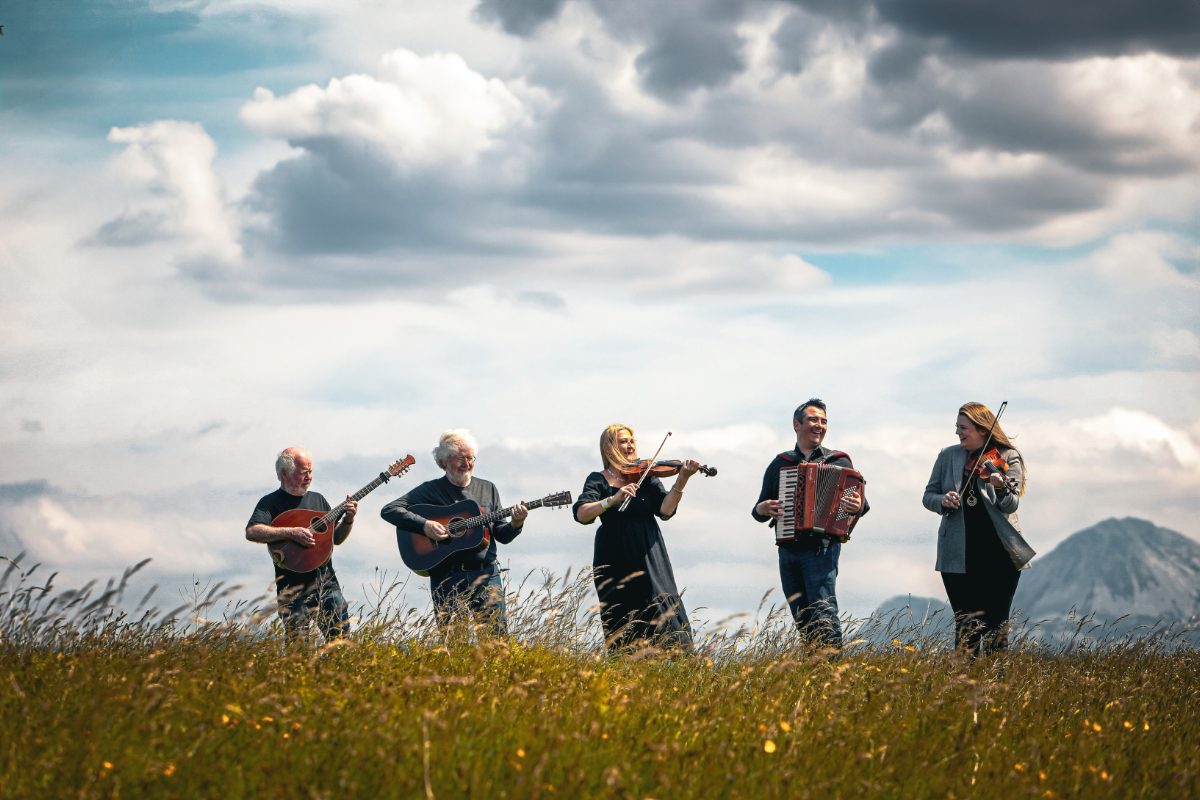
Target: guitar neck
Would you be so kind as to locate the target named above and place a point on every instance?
(495, 516)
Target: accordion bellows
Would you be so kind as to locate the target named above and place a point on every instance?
(811, 497)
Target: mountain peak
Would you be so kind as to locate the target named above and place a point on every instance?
(1117, 567)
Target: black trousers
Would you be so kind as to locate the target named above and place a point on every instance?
(981, 607)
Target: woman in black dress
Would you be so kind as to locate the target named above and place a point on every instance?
(638, 598)
(981, 549)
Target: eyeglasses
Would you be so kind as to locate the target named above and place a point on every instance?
(464, 459)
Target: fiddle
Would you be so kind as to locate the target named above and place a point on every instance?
(991, 463)
(658, 469)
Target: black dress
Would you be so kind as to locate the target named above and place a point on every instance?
(632, 572)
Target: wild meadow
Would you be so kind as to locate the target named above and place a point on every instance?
(100, 698)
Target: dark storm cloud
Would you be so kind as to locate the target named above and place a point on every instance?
(1058, 29)
(519, 17)
(685, 46)
(691, 54)
(336, 199)
(1018, 118)
(1007, 203)
(795, 41)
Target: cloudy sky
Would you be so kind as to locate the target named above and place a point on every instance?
(231, 226)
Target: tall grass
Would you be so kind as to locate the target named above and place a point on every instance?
(189, 702)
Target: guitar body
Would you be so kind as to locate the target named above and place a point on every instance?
(297, 558)
(421, 554)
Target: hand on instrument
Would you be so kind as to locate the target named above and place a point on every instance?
(996, 479)
(301, 536)
(350, 508)
(853, 503)
(769, 508)
(628, 490)
(436, 530)
(690, 467)
(520, 512)
(951, 500)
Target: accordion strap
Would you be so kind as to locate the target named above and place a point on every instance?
(790, 457)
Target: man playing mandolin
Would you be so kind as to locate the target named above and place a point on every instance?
(317, 591)
(466, 576)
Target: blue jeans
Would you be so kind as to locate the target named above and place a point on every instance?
(479, 591)
(808, 571)
(299, 604)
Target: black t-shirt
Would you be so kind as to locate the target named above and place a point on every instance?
(271, 506)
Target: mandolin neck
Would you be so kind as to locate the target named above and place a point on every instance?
(335, 512)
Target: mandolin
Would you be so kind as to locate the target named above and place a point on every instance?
(298, 558)
(468, 526)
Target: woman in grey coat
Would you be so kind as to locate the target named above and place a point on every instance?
(980, 547)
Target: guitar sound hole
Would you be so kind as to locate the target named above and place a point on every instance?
(318, 526)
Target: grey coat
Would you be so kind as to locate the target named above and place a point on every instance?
(1001, 507)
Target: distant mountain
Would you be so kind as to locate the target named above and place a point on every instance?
(911, 620)
(1117, 568)
(1126, 576)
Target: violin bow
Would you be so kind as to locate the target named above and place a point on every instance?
(986, 442)
(646, 474)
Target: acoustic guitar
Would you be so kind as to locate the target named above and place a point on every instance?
(298, 558)
(468, 526)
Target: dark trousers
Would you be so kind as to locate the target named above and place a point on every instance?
(808, 571)
(324, 601)
(480, 592)
(982, 602)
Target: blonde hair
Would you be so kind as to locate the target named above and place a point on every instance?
(982, 418)
(609, 453)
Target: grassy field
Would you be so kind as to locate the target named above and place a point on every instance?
(99, 703)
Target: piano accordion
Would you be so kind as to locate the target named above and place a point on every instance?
(810, 496)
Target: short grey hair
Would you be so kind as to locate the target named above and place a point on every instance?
(285, 462)
(450, 441)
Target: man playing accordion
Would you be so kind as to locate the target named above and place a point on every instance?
(808, 559)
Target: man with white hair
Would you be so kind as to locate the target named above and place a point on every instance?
(317, 591)
(469, 577)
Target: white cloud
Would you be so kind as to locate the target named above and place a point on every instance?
(169, 164)
(419, 112)
(1130, 429)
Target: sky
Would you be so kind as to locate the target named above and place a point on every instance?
(229, 227)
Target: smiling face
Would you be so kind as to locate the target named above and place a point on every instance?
(300, 478)
(970, 435)
(810, 428)
(460, 466)
(626, 445)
